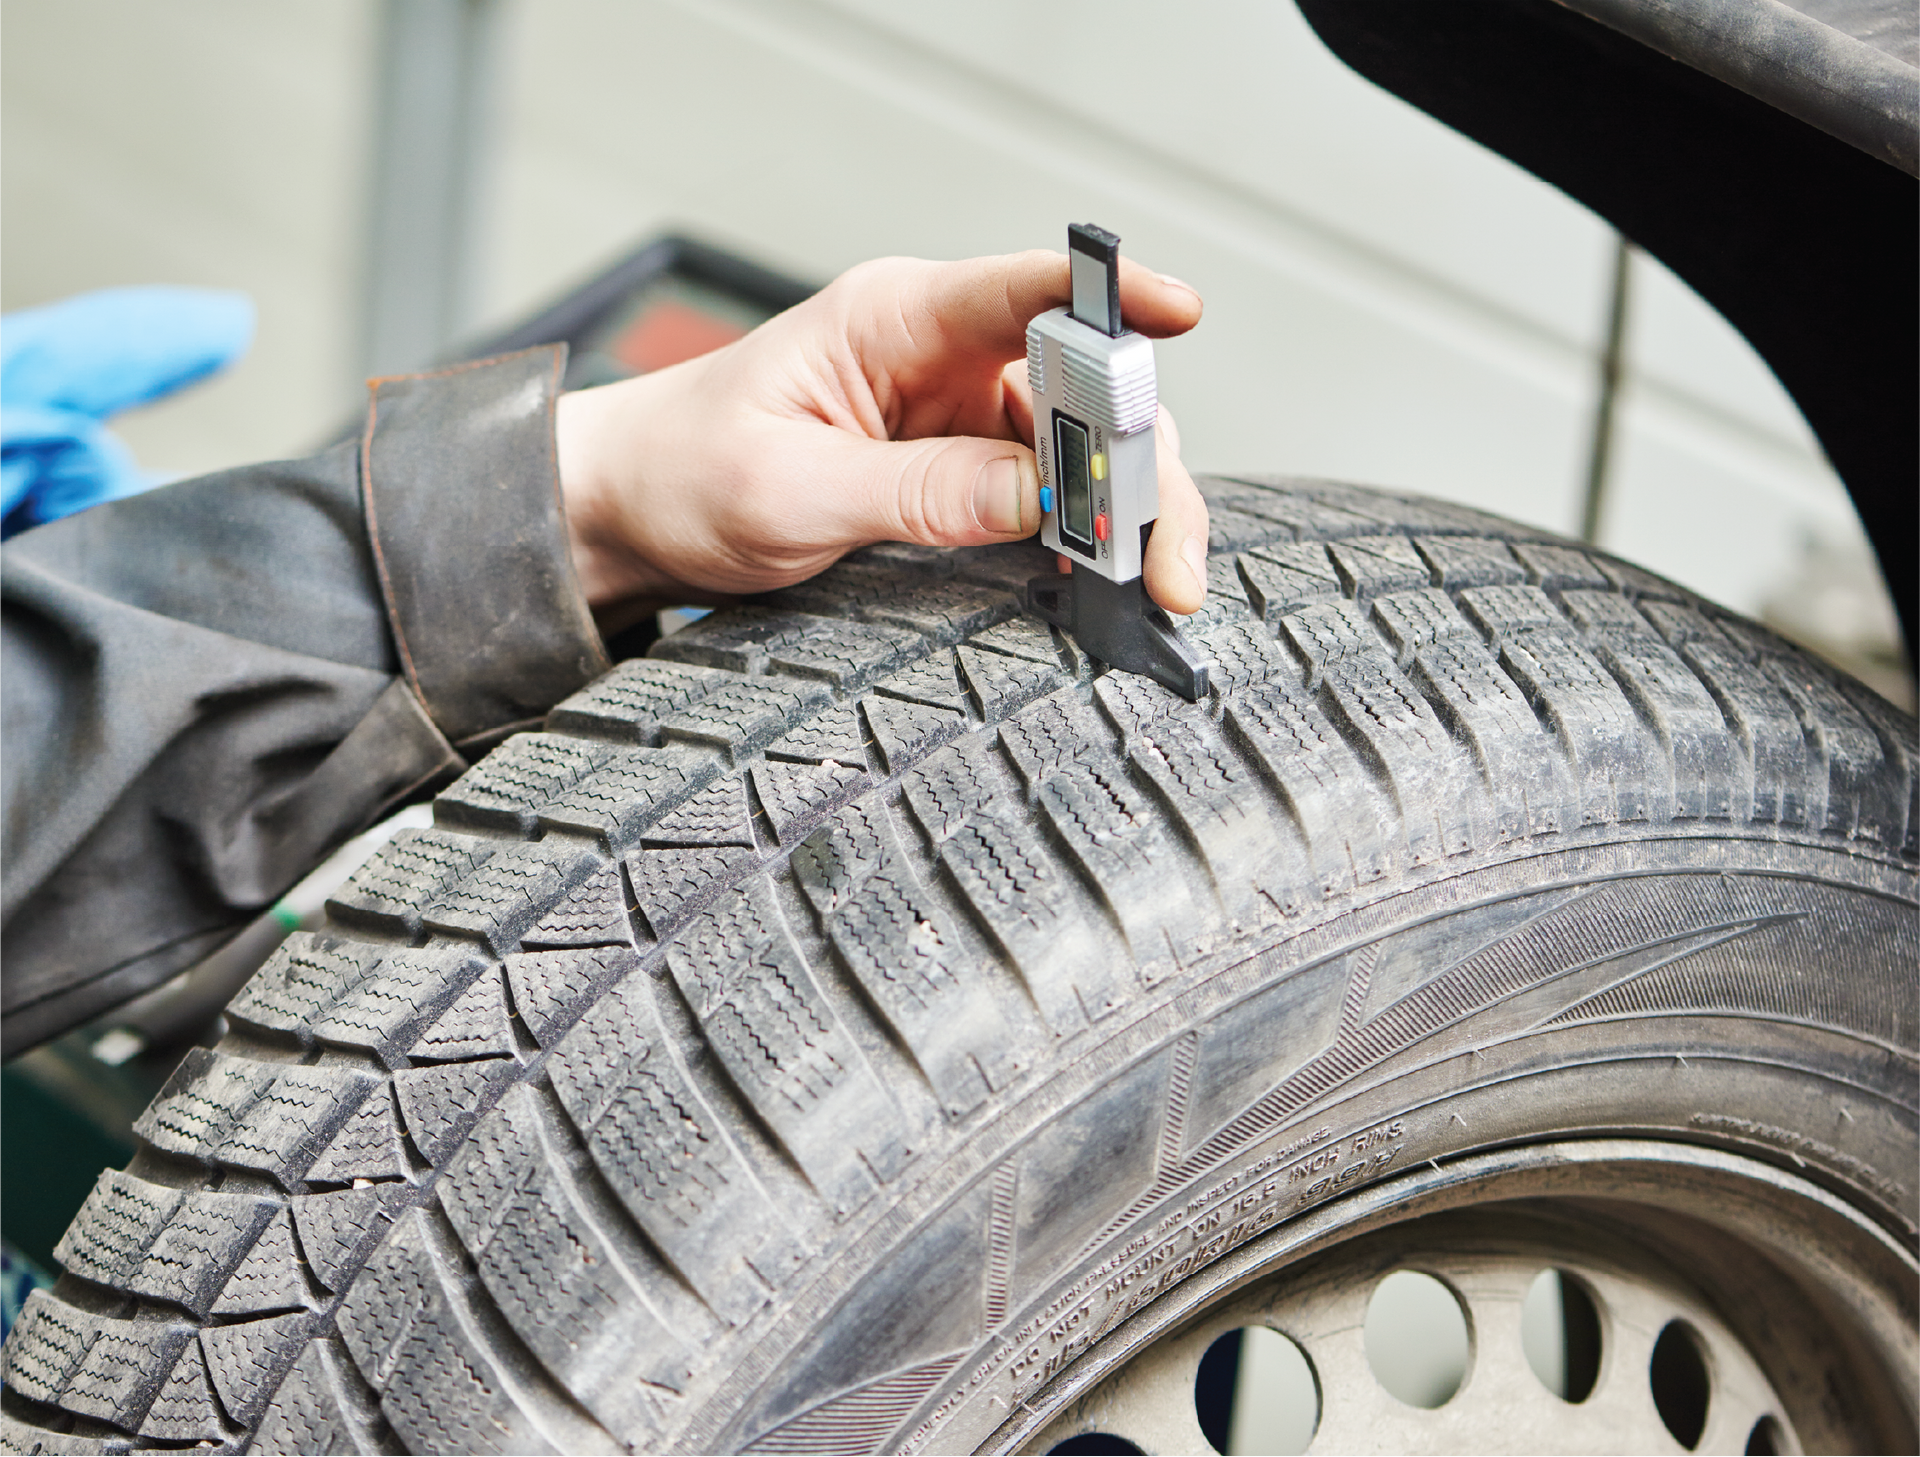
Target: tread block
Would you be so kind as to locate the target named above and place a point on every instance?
(906, 732)
(1371, 699)
(245, 1360)
(1246, 653)
(831, 736)
(670, 886)
(555, 1279)
(903, 556)
(268, 1276)
(169, 1244)
(832, 650)
(1605, 614)
(336, 1229)
(388, 892)
(931, 681)
(273, 1118)
(313, 1410)
(1682, 715)
(507, 789)
(592, 913)
(1768, 730)
(1224, 811)
(386, 1010)
(847, 583)
(1641, 586)
(1596, 727)
(628, 703)
(1049, 735)
(796, 797)
(739, 640)
(1855, 802)
(944, 611)
(19, 1436)
(306, 974)
(1133, 704)
(1023, 637)
(565, 1295)
(1505, 611)
(1521, 768)
(784, 1048)
(1680, 624)
(439, 1102)
(1414, 620)
(184, 1409)
(1556, 568)
(717, 815)
(629, 792)
(95, 1365)
(949, 787)
(1131, 860)
(1229, 529)
(550, 986)
(1009, 567)
(1370, 565)
(506, 896)
(999, 684)
(1347, 824)
(1470, 561)
(473, 1025)
(1305, 515)
(1286, 574)
(1226, 601)
(366, 1147)
(741, 717)
(899, 946)
(439, 1389)
(1015, 885)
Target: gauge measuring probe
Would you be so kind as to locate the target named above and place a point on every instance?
(1095, 400)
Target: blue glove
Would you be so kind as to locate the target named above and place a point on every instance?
(65, 368)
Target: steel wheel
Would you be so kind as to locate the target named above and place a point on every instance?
(1735, 1307)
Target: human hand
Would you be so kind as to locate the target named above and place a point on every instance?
(891, 406)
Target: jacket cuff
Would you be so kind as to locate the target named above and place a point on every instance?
(462, 490)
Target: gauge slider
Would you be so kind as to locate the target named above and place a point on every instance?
(1095, 400)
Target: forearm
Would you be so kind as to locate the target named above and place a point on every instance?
(207, 687)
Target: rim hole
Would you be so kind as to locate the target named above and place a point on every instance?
(1560, 1333)
(1766, 1437)
(1416, 1337)
(1096, 1444)
(1678, 1376)
(1256, 1392)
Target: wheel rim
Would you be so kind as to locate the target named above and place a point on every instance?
(1798, 1311)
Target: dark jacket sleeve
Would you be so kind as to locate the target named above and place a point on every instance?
(206, 688)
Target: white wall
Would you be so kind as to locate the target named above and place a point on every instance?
(214, 142)
(1386, 301)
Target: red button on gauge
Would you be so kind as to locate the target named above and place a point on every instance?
(1100, 526)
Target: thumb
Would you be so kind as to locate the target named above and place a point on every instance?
(947, 491)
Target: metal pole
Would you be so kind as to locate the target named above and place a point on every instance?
(1611, 357)
(432, 128)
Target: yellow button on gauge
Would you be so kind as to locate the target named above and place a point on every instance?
(1099, 466)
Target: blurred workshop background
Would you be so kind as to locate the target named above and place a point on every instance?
(397, 181)
(1387, 302)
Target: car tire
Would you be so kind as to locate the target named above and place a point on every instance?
(867, 1024)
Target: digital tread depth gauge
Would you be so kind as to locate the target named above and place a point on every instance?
(1095, 401)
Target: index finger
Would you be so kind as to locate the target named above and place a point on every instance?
(983, 305)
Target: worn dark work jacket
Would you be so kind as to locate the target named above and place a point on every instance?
(208, 687)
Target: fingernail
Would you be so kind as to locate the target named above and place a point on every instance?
(1193, 551)
(1006, 495)
(1172, 282)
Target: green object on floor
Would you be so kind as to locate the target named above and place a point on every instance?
(50, 1155)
